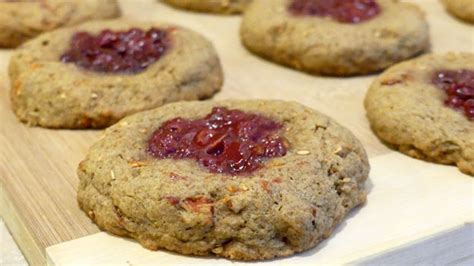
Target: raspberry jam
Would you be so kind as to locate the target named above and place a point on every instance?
(225, 141)
(459, 87)
(346, 11)
(129, 51)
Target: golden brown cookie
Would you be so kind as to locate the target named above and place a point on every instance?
(328, 40)
(288, 204)
(211, 6)
(463, 9)
(425, 108)
(21, 20)
(56, 86)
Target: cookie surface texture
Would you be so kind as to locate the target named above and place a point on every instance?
(211, 6)
(408, 111)
(326, 46)
(463, 9)
(287, 206)
(23, 20)
(51, 93)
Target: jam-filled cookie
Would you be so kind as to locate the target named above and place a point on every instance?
(425, 108)
(92, 75)
(245, 180)
(21, 20)
(335, 37)
(463, 9)
(211, 6)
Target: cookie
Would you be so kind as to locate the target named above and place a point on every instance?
(21, 20)
(463, 9)
(425, 108)
(211, 6)
(92, 75)
(335, 37)
(245, 180)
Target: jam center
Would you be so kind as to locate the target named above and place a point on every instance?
(129, 51)
(459, 87)
(225, 141)
(346, 11)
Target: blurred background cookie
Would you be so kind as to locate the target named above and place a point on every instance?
(94, 74)
(425, 108)
(335, 37)
(463, 9)
(211, 6)
(23, 20)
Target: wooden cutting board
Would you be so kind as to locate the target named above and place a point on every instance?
(415, 211)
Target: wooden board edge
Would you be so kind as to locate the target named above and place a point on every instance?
(457, 240)
(31, 249)
(452, 247)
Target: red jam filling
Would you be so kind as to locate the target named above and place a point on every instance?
(459, 87)
(346, 11)
(225, 141)
(129, 51)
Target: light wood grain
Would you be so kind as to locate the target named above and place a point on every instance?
(37, 166)
(409, 201)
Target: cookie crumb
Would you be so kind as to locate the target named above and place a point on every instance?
(172, 200)
(303, 152)
(317, 127)
(243, 187)
(175, 177)
(265, 186)
(218, 250)
(275, 164)
(136, 164)
(232, 189)
(277, 180)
